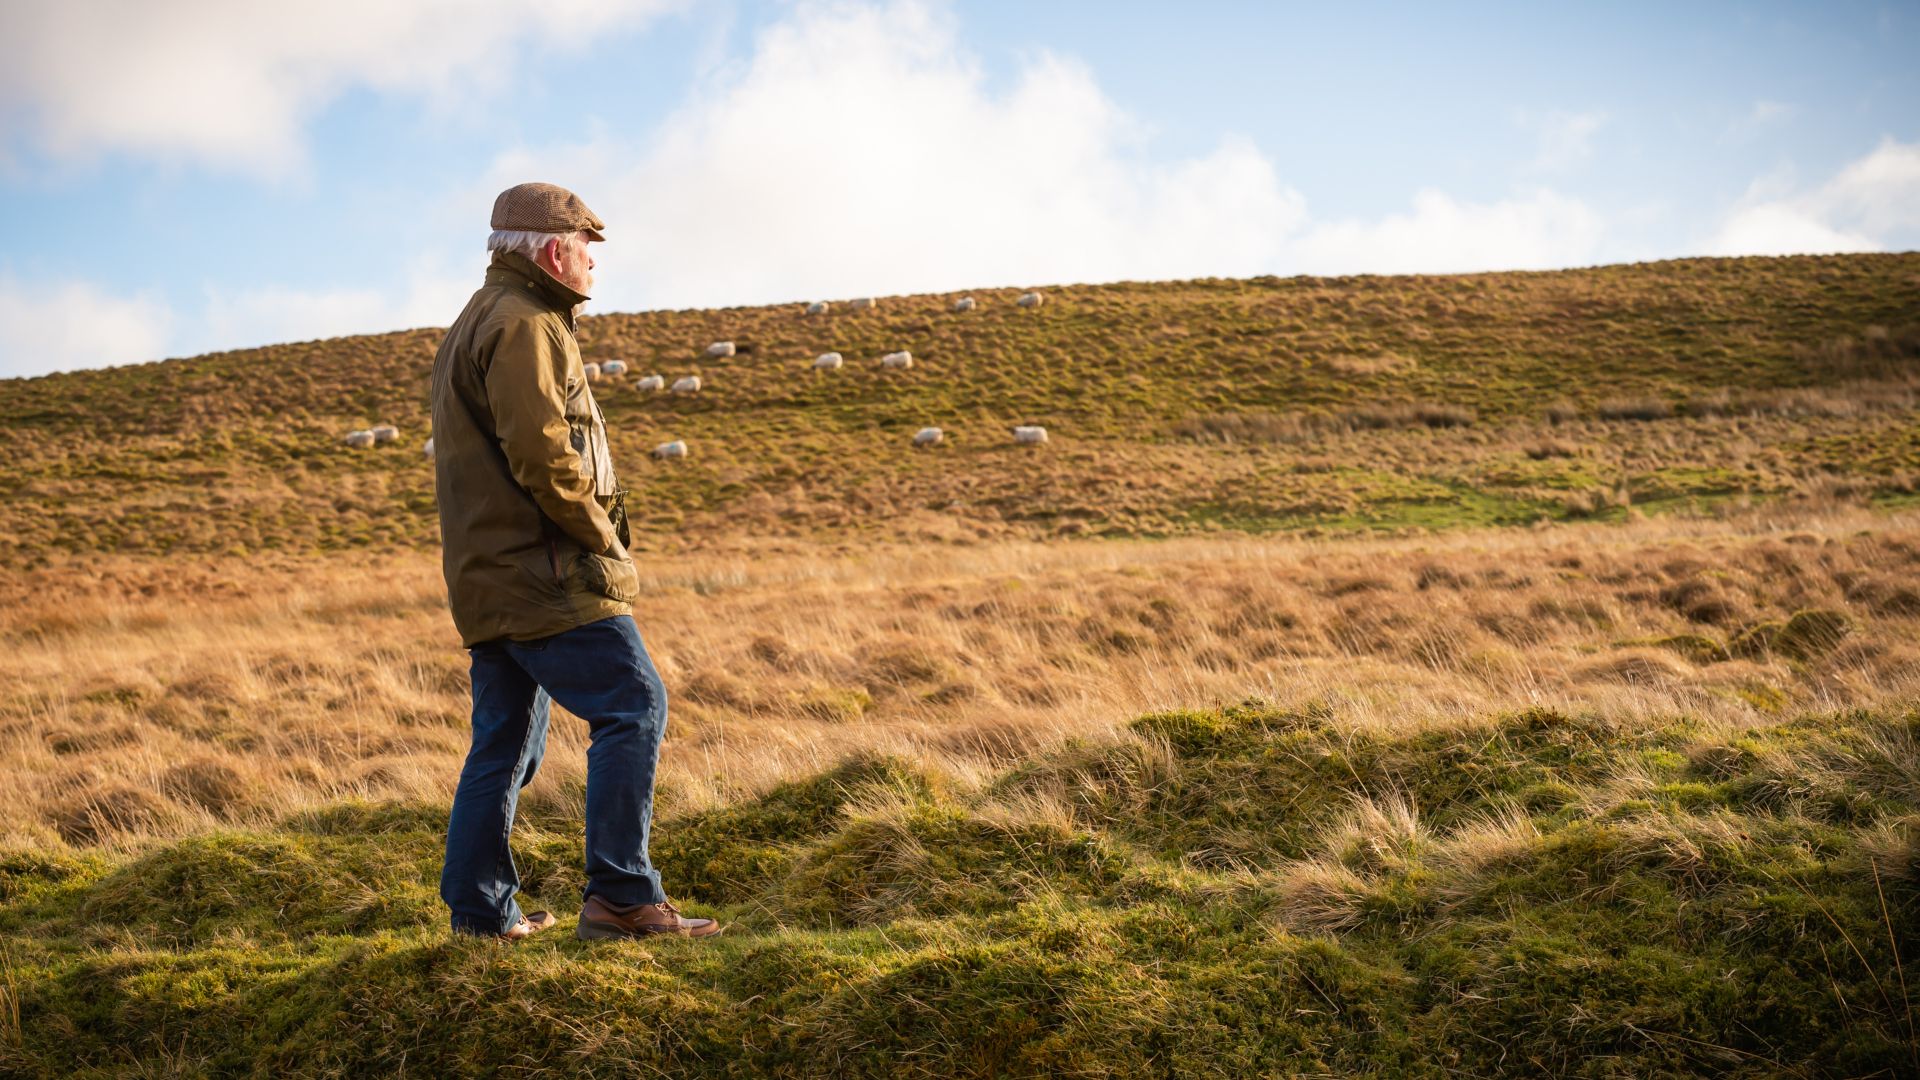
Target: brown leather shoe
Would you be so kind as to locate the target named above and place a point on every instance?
(528, 926)
(601, 921)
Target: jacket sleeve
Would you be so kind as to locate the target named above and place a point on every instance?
(526, 389)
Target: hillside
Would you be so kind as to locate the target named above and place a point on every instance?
(1175, 408)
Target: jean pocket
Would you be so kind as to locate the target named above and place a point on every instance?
(615, 579)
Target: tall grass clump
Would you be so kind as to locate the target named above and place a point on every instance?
(1252, 887)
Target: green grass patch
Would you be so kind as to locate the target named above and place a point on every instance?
(1242, 891)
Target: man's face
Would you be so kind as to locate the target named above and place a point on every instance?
(572, 264)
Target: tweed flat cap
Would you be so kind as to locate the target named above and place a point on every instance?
(544, 208)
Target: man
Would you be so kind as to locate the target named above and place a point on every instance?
(533, 540)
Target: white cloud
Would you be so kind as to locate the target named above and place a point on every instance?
(60, 327)
(1564, 139)
(861, 150)
(271, 314)
(1858, 210)
(1542, 231)
(229, 82)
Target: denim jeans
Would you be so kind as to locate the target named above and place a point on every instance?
(601, 673)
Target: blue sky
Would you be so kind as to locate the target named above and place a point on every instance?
(206, 174)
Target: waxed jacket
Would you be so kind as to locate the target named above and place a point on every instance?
(531, 521)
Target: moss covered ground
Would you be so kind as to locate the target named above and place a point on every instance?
(1174, 408)
(1239, 891)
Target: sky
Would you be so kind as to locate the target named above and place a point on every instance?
(185, 176)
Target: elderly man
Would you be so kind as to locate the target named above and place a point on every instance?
(534, 545)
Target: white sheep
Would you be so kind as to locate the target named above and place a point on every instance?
(965, 303)
(897, 361)
(385, 433)
(1030, 434)
(675, 449)
(614, 367)
(720, 349)
(687, 385)
(818, 307)
(864, 303)
(359, 439)
(651, 382)
(928, 436)
(827, 361)
(428, 449)
(592, 370)
(1031, 300)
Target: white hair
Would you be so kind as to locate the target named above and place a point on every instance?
(529, 244)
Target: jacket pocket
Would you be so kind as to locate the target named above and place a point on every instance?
(615, 579)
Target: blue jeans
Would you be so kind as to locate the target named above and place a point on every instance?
(601, 673)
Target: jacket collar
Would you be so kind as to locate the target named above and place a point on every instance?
(514, 269)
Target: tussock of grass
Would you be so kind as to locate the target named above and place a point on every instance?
(1249, 888)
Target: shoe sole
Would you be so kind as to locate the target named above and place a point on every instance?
(594, 930)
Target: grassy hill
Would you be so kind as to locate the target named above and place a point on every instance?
(1367, 402)
(1350, 799)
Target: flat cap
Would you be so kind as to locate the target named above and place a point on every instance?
(544, 208)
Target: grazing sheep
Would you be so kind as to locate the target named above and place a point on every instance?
(827, 361)
(864, 303)
(720, 349)
(928, 436)
(428, 449)
(1030, 434)
(897, 360)
(675, 449)
(651, 382)
(1031, 300)
(592, 370)
(384, 434)
(965, 303)
(614, 367)
(818, 307)
(688, 385)
(359, 439)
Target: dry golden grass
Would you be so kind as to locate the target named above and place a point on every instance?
(161, 697)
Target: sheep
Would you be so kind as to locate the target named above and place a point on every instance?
(592, 370)
(651, 382)
(965, 303)
(1031, 300)
(928, 436)
(1030, 434)
(384, 434)
(897, 361)
(864, 303)
(720, 349)
(818, 307)
(359, 440)
(428, 449)
(688, 385)
(614, 367)
(675, 449)
(827, 361)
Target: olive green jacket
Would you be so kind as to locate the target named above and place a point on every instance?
(532, 529)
